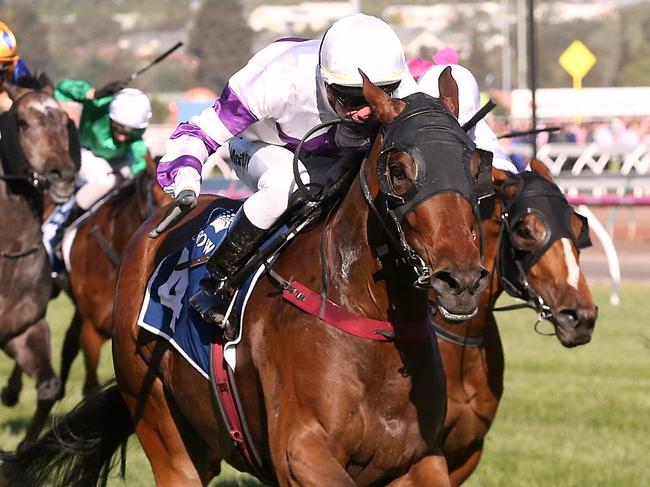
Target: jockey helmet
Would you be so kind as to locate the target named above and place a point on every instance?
(361, 42)
(7, 44)
(469, 97)
(130, 108)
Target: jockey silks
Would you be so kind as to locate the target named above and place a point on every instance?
(276, 98)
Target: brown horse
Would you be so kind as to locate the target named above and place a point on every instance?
(323, 407)
(554, 286)
(36, 156)
(95, 256)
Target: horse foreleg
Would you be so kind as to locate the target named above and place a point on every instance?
(70, 348)
(11, 392)
(91, 342)
(430, 471)
(311, 463)
(31, 351)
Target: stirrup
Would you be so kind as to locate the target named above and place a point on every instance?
(210, 306)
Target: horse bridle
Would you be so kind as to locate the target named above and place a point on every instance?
(418, 122)
(544, 199)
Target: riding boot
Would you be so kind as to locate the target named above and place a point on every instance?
(58, 267)
(241, 240)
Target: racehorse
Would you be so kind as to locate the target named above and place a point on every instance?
(39, 152)
(95, 256)
(323, 407)
(532, 240)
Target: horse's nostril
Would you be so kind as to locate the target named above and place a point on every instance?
(54, 174)
(445, 278)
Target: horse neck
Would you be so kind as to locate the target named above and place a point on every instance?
(492, 242)
(358, 280)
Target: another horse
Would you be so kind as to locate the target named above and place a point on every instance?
(530, 212)
(95, 256)
(323, 407)
(38, 139)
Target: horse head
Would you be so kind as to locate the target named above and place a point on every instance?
(539, 252)
(422, 172)
(44, 137)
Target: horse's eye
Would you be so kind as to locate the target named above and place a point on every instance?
(524, 232)
(397, 171)
(21, 123)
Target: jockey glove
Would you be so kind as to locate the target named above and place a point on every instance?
(109, 89)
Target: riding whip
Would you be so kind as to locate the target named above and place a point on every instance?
(154, 62)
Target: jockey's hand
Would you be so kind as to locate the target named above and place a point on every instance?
(186, 178)
(109, 89)
(176, 211)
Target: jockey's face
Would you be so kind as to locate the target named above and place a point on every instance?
(349, 102)
(122, 133)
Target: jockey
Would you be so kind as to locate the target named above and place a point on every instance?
(12, 67)
(286, 89)
(110, 131)
(112, 123)
(469, 103)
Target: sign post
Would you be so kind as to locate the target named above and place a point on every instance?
(577, 60)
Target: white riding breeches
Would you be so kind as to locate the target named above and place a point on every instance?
(97, 177)
(268, 169)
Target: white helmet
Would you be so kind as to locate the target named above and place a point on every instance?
(361, 41)
(130, 107)
(469, 98)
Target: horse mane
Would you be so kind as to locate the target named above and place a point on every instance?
(35, 82)
(124, 193)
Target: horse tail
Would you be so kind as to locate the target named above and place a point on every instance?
(79, 449)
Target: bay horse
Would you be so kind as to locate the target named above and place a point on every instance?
(40, 154)
(95, 257)
(517, 234)
(323, 407)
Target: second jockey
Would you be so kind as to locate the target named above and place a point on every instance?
(265, 109)
(112, 123)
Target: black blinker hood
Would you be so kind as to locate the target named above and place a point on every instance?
(432, 136)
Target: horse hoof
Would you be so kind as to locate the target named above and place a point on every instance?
(9, 398)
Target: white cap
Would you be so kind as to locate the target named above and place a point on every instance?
(469, 98)
(469, 101)
(361, 42)
(130, 107)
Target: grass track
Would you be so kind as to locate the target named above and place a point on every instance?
(568, 418)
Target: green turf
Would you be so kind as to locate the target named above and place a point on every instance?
(574, 417)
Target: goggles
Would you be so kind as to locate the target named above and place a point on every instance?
(129, 132)
(351, 97)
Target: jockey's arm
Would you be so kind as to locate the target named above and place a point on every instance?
(138, 157)
(74, 90)
(239, 106)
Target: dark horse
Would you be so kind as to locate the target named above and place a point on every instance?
(529, 214)
(95, 257)
(323, 407)
(38, 139)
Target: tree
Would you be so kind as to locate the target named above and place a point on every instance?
(221, 40)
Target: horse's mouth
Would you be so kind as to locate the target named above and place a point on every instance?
(60, 193)
(449, 316)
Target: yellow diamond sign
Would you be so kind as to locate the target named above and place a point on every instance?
(577, 60)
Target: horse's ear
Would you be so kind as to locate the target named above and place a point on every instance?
(506, 185)
(539, 168)
(46, 84)
(14, 91)
(383, 107)
(448, 89)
